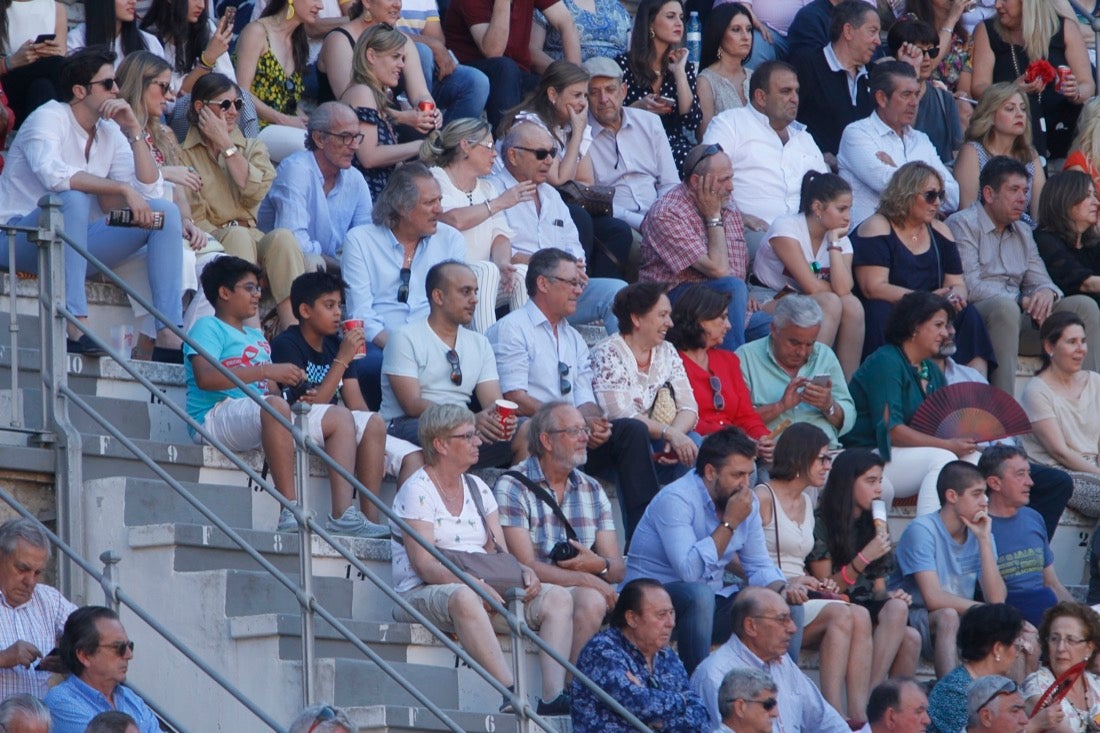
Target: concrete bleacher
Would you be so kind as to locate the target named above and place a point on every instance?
(217, 599)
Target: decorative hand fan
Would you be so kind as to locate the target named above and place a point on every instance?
(980, 412)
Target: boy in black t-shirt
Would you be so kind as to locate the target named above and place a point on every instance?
(313, 345)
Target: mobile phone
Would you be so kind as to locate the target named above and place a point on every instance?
(822, 380)
(230, 16)
(45, 37)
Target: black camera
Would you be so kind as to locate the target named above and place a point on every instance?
(563, 551)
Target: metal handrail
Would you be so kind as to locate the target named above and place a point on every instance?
(308, 602)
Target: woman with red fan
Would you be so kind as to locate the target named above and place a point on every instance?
(1068, 694)
(890, 386)
(1063, 403)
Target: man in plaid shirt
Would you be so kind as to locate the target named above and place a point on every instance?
(694, 234)
(557, 442)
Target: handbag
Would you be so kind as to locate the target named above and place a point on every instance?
(499, 569)
(562, 550)
(596, 200)
(664, 405)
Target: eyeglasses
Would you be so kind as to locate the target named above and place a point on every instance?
(574, 283)
(539, 153)
(225, 104)
(108, 84)
(323, 716)
(1069, 640)
(716, 386)
(120, 647)
(456, 368)
(403, 289)
(251, 288)
(1007, 689)
(781, 619)
(564, 386)
(347, 138)
(469, 436)
(933, 195)
(768, 704)
(165, 86)
(572, 432)
(710, 150)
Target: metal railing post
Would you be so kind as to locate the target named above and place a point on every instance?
(514, 599)
(305, 551)
(109, 582)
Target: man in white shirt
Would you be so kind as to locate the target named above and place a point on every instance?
(630, 149)
(770, 152)
(90, 151)
(872, 149)
(544, 221)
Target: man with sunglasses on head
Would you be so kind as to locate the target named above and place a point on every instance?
(385, 264)
(439, 360)
(96, 651)
(762, 629)
(1006, 279)
(872, 149)
(316, 194)
(90, 151)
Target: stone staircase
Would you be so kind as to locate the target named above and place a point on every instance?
(215, 597)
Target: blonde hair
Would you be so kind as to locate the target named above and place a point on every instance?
(136, 72)
(380, 39)
(1087, 139)
(906, 183)
(980, 128)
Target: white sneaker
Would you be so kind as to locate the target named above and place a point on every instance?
(354, 523)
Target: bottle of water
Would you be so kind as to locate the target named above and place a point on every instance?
(694, 39)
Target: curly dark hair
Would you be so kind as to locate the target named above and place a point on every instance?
(696, 304)
(1088, 618)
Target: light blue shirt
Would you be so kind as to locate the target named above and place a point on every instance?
(672, 542)
(528, 353)
(801, 706)
(74, 703)
(371, 266)
(297, 201)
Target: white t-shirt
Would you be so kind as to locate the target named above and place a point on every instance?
(769, 269)
(418, 498)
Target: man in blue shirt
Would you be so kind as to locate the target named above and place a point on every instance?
(316, 194)
(96, 650)
(690, 533)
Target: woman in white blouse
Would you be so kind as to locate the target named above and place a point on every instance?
(460, 154)
(809, 252)
(635, 371)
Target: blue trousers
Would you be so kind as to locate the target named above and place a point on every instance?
(462, 93)
(163, 249)
(739, 333)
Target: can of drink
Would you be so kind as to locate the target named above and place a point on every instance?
(1064, 73)
(426, 105)
(878, 514)
(350, 325)
(125, 218)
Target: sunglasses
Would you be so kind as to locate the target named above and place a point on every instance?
(716, 386)
(108, 84)
(403, 288)
(225, 104)
(933, 196)
(456, 368)
(165, 87)
(539, 153)
(323, 716)
(710, 150)
(564, 386)
(120, 647)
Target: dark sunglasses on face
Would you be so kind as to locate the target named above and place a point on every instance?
(108, 84)
(403, 289)
(225, 104)
(456, 368)
(934, 196)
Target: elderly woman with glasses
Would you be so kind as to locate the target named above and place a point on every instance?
(904, 247)
(637, 374)
(439, 504)
(1068, 636)
(236, 174)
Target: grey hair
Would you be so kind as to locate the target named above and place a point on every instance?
(400, 195)
(309, 716)
(436, 422)
(110, 721)
(542, 421)
(28, 705)
(800, 311)
(742, 683)
(322, 120)
(27, 530)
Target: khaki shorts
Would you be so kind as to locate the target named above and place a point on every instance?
(431, 600)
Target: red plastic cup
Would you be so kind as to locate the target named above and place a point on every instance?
(1063, 74)
(506, 409)
(350, 325)
(426, 105)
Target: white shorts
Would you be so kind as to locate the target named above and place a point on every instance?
(236, 422)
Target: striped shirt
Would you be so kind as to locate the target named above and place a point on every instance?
(38, 621)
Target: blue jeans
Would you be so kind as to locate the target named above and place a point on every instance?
(739, 333)
(595, 303)
(462, 93)
(163, 249)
